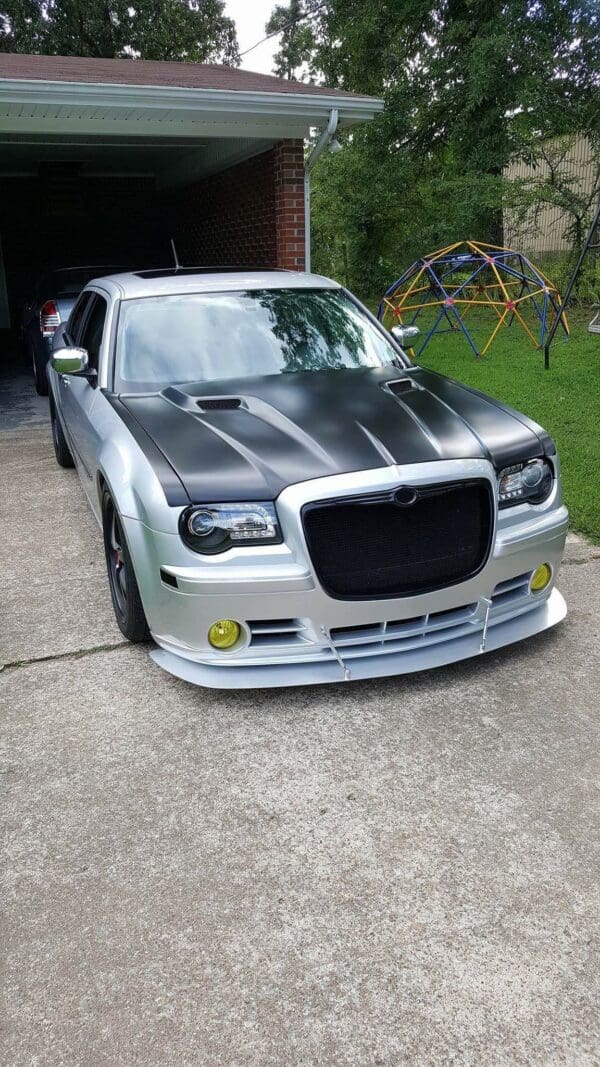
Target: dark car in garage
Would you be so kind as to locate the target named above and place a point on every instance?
(50, 303)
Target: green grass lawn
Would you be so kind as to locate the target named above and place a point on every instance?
(565, 399)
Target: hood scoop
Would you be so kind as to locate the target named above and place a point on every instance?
(195, 404)
(219, 403)
(399, 386)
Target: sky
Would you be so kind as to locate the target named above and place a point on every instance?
(250, 18)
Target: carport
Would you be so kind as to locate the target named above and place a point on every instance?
(104, 161)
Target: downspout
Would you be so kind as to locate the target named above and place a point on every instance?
(324, 139)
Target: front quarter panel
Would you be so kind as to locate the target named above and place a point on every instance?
(129, 474)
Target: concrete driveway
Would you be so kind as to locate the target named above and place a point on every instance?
(403, 871)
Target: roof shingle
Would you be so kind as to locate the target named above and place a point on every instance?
(153, 73)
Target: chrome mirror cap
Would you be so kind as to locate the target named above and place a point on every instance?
(70, 360)
(405, 334)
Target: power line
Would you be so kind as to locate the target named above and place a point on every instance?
(286, 26)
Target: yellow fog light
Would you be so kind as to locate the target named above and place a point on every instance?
(224, 633)
(541, 578)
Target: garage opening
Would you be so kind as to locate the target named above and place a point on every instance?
(119, 204)
(63, 215)
(103, 162)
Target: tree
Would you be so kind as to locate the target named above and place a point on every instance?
(478, 76)
(467, 85)
(196, 31)
(297, 41)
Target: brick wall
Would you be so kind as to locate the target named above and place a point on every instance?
(250, 215)
(288, 166)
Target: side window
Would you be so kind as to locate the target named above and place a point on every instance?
(91, 338)
(76, 317)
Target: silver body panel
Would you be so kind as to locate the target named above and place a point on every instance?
(292, 631)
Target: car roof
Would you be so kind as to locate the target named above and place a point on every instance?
(171, 282)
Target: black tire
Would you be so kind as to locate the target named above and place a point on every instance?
(39, 375)
(127, 603)
(61, 448)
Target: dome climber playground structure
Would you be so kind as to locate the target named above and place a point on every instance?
(472, 284)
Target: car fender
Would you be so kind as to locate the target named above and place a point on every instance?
(146, 516)
(134, 487)
(127, 471)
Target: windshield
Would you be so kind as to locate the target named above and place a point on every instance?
(209, 336)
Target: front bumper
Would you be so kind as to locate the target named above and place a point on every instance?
(294, 633)
(329, 668)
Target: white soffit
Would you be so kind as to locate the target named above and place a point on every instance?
(34, 106)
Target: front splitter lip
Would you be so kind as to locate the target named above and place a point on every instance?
(506, 632)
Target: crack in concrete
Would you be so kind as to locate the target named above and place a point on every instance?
(16, 664)
(580, 562)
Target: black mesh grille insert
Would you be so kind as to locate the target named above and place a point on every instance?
(370, 547)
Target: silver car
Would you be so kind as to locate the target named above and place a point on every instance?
(284, 497)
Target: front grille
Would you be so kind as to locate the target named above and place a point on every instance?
(512, 589)
(437, 627)
(276, 633)
(370, 547)
(308, 641)
(403, 636)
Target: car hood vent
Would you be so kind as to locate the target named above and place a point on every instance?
(199, 404)
(400, 385)
(219, 403)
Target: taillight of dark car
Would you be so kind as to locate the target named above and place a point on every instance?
(49, 319)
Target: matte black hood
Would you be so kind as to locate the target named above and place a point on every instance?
(264, 434)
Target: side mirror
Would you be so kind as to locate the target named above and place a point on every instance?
(405, 334)
(70, 361)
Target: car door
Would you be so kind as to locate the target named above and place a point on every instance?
(79, 395)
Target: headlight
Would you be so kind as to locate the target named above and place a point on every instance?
(212, 528)
(525, 482)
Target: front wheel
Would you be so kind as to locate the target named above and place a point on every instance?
(124, 590)
(61, 448)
